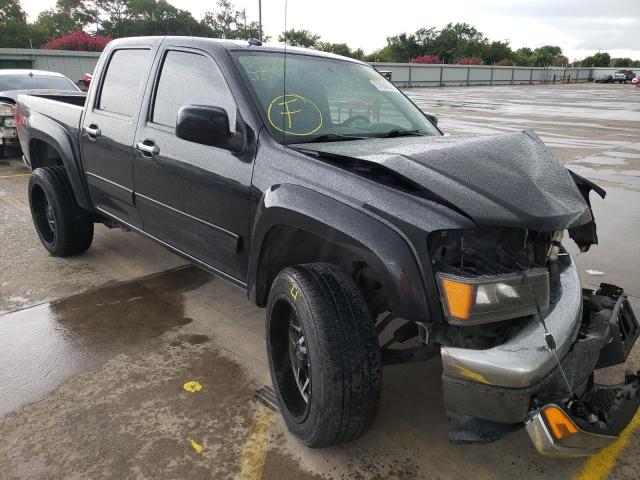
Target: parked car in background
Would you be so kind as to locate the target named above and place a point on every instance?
(624, 76)
(636, 81)
(604, 79)
(15, 82)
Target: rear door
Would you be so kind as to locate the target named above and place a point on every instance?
(109, 129)
(193, 197)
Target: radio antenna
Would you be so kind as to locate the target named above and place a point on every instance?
(284, 76)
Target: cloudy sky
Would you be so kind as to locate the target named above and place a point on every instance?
(580, 27)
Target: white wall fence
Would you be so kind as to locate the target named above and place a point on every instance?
(70, 63)
(428, 75)
(74, 64)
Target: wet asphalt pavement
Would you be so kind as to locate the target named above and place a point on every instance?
(95, 350)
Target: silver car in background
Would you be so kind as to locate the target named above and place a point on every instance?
(15, 82)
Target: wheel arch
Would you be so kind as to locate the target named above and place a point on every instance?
(296, 225)
(49, 144)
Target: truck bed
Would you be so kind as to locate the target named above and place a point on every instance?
(52, 114)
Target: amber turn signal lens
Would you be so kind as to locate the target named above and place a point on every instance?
(560, 424)
(459, 297)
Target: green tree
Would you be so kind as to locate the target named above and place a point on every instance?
(15, 34)
(621, 62)
(402, 48)
(600, 59)
(299, 38)
(495, 52)
(546, 55)
(148, 17)
(458, 40)
(377, 56)
(522, 56)
(227, 22)
(11, 11)
(340, 49)
(67, 16)
(115, 11)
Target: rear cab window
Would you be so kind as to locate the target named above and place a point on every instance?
(123, 80)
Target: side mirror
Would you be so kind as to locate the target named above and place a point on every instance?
(432, 118)
(205, 125)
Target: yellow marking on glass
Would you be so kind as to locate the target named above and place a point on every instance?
(286, 110)
(283, 102)
(192, 386)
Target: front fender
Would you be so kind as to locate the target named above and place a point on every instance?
(385, 249)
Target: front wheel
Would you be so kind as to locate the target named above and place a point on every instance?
(323, 353)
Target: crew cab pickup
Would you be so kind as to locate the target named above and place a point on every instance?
(370, 238)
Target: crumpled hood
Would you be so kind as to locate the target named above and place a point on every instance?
(501, 180)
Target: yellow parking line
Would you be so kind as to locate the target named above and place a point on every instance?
(599, 465)
(15, 175)
(254, 453)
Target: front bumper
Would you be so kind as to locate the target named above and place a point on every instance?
(603, 334)
(524, 359)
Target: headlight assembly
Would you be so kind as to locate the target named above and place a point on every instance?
(6, 109)
(475, 300)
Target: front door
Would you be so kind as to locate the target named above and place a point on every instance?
(108, 131)
(193, 197)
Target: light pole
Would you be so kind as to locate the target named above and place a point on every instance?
(260, 19)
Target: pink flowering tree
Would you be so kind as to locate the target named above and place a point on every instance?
(78, 41)
(426, 59)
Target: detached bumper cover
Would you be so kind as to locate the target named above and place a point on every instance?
(604, 335)
(600, 412)
(597, 419)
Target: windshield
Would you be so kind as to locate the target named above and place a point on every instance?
(328, 99)
(35, 82)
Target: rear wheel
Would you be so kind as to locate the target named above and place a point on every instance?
(64, 228)
(323, 354)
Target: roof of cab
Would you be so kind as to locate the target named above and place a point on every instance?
(230, 44)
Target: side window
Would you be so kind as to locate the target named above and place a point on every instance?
(122, 81)
(190, 79)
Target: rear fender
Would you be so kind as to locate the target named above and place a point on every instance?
(55, 136)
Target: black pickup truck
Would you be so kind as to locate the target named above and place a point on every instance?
(370, 237)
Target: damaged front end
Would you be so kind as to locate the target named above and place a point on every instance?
(594, 416)
(518, 337)
(534, 338)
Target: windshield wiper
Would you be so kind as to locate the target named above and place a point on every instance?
(335, 137)
(400, 132)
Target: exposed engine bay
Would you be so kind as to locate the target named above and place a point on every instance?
(488, 251)
(519, 263)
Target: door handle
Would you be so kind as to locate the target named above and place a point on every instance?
(93, 130)
(148, 148)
